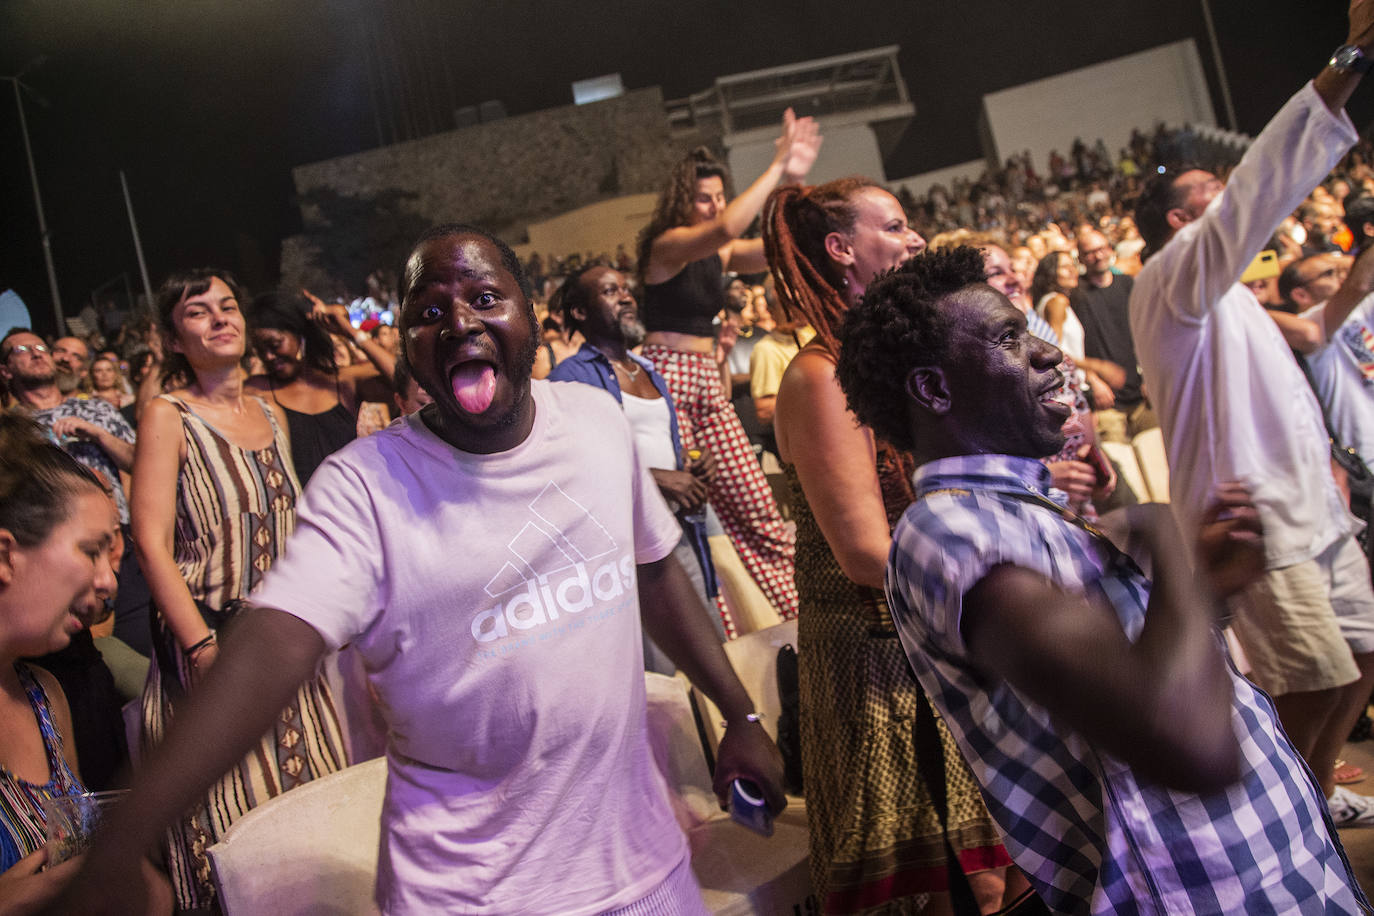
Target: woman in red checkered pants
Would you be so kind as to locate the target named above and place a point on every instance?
(692, 239)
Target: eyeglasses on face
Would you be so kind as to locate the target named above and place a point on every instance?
(27, 348)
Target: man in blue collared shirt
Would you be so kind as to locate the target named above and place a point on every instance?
(1130, 767)
(597, 301)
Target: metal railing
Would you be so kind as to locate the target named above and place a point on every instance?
(743, 101)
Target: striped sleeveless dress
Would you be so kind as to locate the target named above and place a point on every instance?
(21, 802)
(235, 509)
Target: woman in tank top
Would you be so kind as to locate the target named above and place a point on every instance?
(319, 399)
(692, 239)
(59, 546)
(1056, 277)
(214, 500)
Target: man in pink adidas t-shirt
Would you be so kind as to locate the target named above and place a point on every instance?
(488, 557)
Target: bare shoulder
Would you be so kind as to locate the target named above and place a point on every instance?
(810, 381)
(272, 407)
(159, 414)
(811, 367)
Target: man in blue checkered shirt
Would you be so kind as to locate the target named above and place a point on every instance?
(1130, 767)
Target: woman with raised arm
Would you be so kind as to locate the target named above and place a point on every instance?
(214, 499)
(58, 537)
(692, 239)
(318, 397)
(874, 836)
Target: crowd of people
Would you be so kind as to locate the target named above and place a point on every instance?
(218, 519)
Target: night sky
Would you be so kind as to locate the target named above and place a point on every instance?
(207, 104)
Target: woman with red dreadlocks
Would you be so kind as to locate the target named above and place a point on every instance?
(875, 841)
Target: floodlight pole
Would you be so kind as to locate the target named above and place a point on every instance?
(38, 205)
(138, 243)
(1222, 79)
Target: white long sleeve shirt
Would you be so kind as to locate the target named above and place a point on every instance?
(1232, 402)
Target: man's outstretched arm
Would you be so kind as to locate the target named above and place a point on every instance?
(264, 658)
(1337, 86)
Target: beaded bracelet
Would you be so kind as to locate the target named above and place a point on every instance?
(748, 717)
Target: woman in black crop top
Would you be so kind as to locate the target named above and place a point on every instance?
(692, 239)
(320, 400)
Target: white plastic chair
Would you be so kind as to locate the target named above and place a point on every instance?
(739, 871)
(308, 852)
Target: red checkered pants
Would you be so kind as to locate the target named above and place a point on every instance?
(740, 495)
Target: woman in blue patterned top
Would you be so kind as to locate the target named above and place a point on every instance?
(58, 534)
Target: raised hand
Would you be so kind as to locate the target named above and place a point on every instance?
(1362, 24)
(802, 137)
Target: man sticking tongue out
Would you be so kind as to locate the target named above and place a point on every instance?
(474, 386)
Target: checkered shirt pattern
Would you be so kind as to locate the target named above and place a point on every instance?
(1041, 328)
(741, 495)
(1088, 834)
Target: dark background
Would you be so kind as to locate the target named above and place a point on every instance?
(207, 104)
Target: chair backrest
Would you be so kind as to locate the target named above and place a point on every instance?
(677, 750)
(755, 659)
(311, 850)
(1154, 463)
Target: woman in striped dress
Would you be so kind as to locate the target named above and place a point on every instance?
(214, 499)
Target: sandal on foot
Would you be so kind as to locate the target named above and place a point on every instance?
(1348, 773)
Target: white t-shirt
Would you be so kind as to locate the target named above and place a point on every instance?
(493, 600)
(1343, 369)
(652, 428)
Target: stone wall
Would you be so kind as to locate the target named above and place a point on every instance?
(505, 174)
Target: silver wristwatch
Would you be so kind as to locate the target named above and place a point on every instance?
(1351, 59)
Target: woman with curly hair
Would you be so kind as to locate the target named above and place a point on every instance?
(692, 239)
(875, 841)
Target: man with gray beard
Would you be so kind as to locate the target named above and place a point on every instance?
(72, 358)
(597, 301)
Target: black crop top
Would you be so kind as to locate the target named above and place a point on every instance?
(687, 302)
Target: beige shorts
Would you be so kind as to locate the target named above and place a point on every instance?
(1300, 626)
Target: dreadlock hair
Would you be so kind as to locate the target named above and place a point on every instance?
(291, 313)
(674, 207)
(796, 221)
(570, 295)
(175, 290)
(37, 481)
(897, 326)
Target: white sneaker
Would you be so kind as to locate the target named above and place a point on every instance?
(1349, 809)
